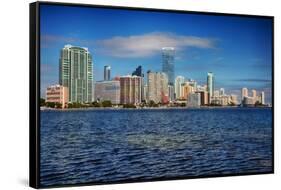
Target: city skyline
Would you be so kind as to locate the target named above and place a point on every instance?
(197, 52)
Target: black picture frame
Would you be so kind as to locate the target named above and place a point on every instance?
(34, 89)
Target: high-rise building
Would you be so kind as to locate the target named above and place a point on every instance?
(210, 85)
(57, 94)
(262, 98)
(108, 90)
(130, 89)
(168, 66)
(106, 72)
(157, 83)
(76, 73)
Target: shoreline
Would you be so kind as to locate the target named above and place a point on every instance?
(152, 108)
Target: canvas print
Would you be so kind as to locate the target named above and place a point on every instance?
(139, 95)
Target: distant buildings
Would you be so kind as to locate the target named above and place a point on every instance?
(76, 85)
(57, 94)
(106, 72)
(168, 65)
(76, 73)
(108, 90)
(158, 90)
(178, 83)
(130, 89)
(247, 100)
(210, 85)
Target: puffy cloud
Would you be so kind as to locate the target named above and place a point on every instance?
(149, 44)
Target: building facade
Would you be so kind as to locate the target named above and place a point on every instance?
(194, 100)
(108, 90)
(178, 82)
(203, 97)
(186, 90)
(57, 94)
(130, 89)
(157, 84)
(76, 73)
(168, 66)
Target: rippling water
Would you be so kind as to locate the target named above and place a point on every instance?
(114, 145)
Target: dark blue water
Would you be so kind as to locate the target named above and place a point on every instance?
(112, 145)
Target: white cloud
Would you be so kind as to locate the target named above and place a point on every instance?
(150, 44)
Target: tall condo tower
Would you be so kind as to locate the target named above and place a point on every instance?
(106, 73)
(210, 85)
(168, 65)
(76, 73)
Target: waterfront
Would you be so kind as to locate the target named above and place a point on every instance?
(83, 146)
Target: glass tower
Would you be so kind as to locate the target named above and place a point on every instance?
(210, 85)
(76, 73)
(106, 72)
(168, 66)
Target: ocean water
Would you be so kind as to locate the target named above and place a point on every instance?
(99, 146)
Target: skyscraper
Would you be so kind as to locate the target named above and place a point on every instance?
(262, 98)
(168, 66)
(76, 73)
(158, 90)
(130, 89)
(178, 82)
(106, 72)
(210, 85)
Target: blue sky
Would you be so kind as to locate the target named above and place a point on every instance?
(236, 49)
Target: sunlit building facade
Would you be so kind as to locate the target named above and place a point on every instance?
(76, 73)
(57, 94)
(158, 89)
(130, 89)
